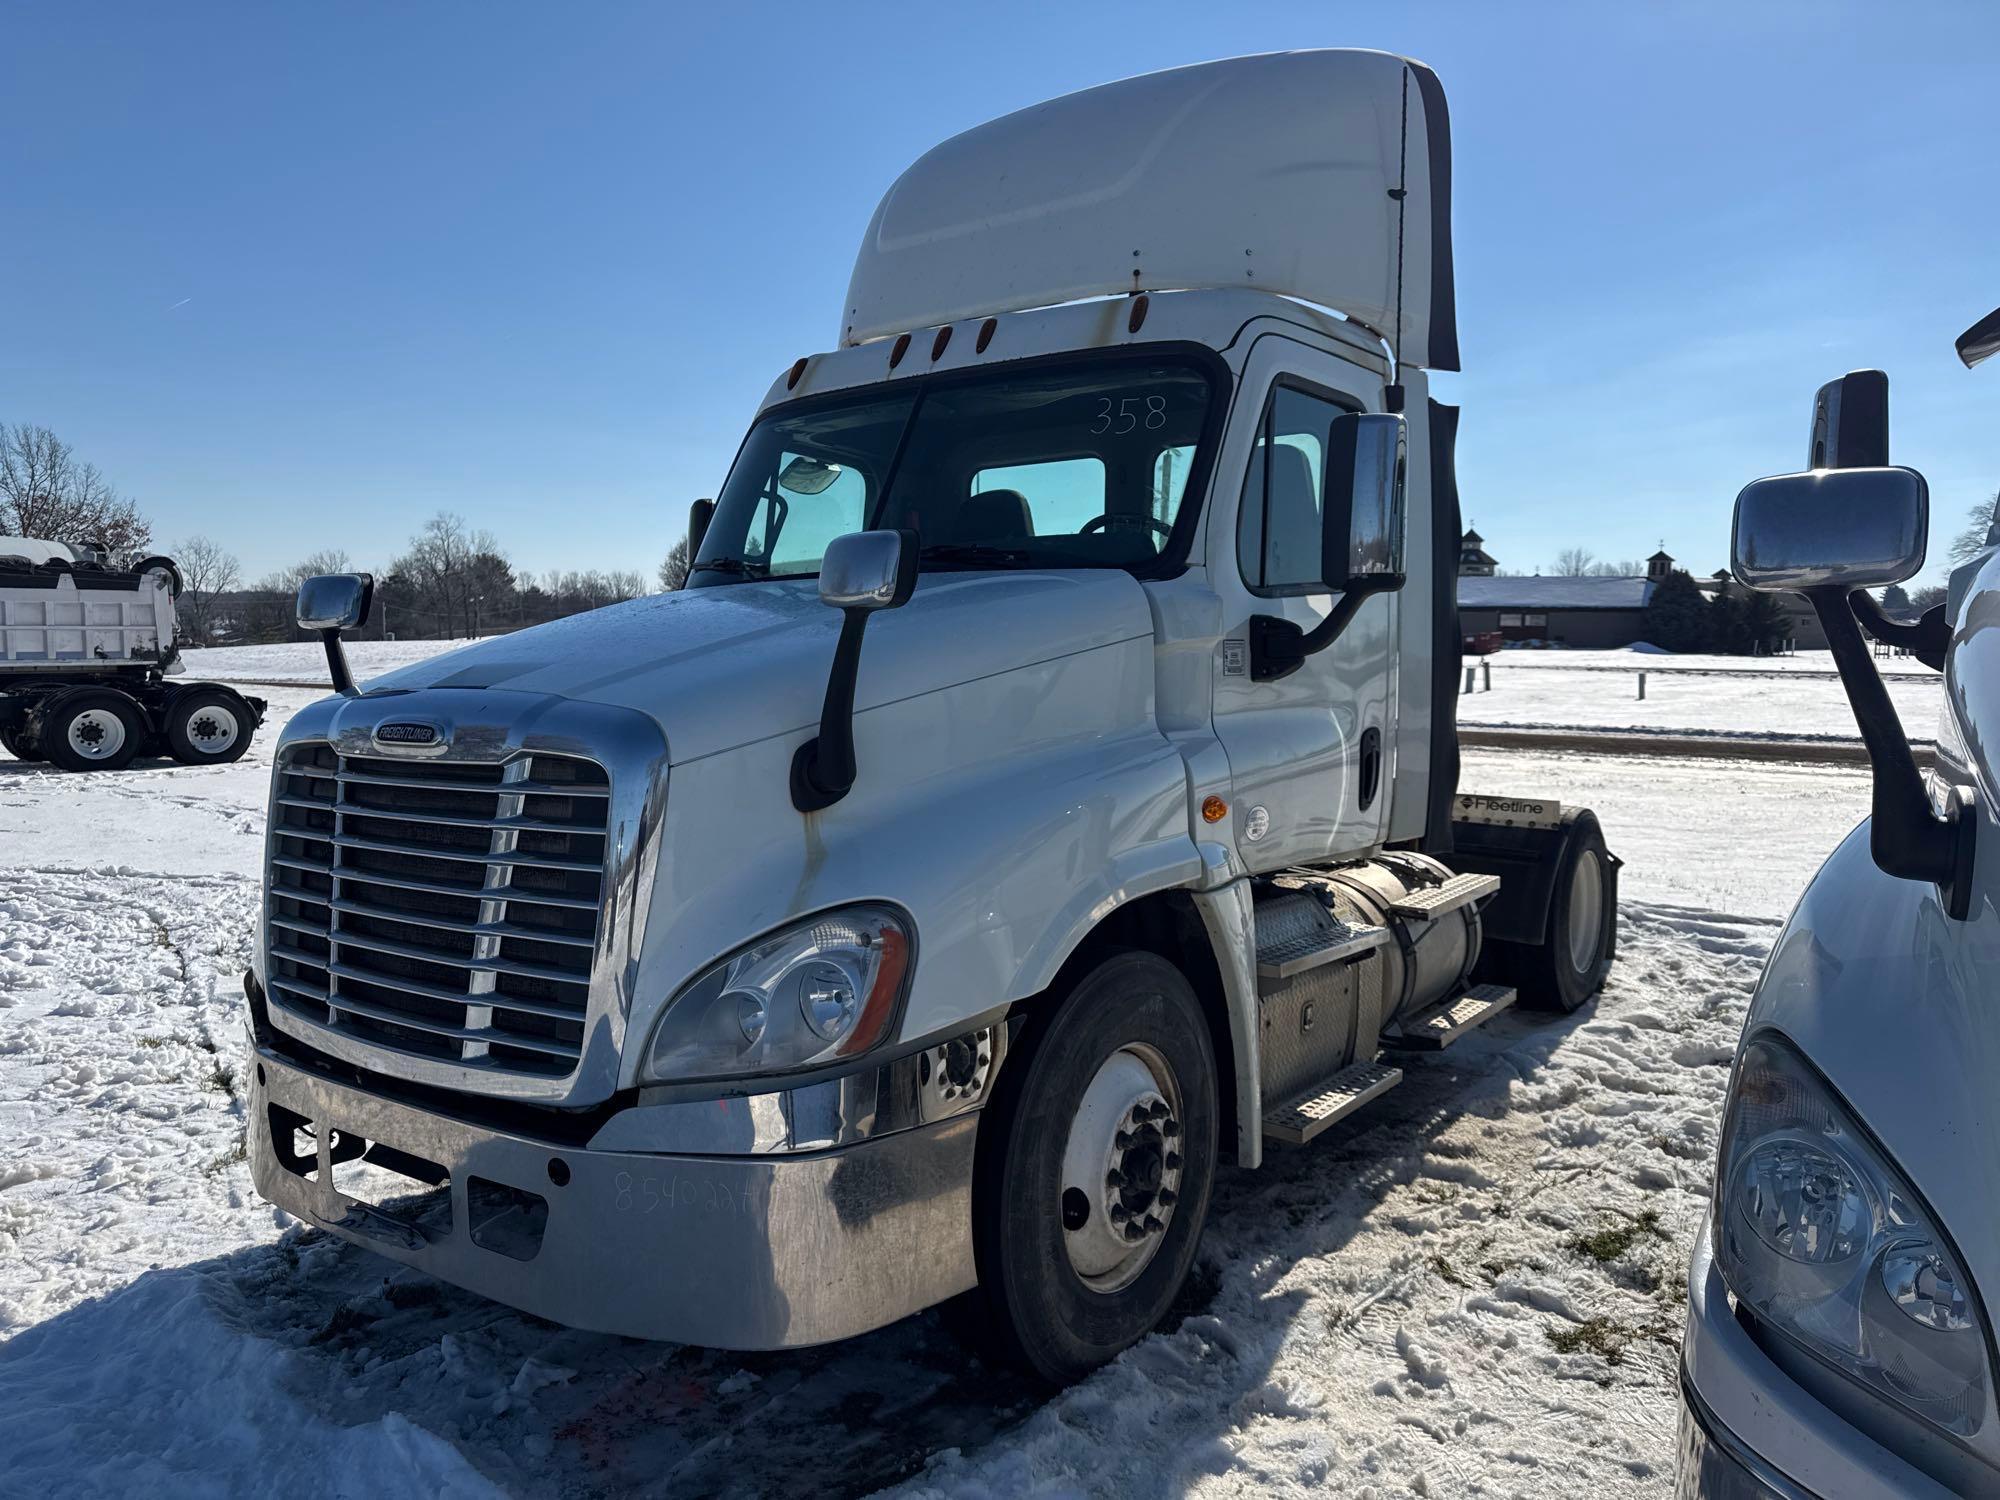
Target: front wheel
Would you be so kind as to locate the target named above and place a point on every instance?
(1095, 1167)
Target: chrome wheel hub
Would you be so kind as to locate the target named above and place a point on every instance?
(1121, 1175)
(96, 735)
(1586, 903)
(213, 729)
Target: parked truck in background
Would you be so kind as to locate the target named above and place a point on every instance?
(1044, 792)
(88, 652)
(1837, 1341)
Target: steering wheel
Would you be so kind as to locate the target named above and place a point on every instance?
(1127, 522)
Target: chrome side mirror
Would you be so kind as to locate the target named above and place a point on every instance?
(1831, 528)
(335, 601)
(861, 572)
(1365, 459)
(869, 570)
(330, 603)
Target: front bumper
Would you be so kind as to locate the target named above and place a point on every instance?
(1749, 1431)
(730, 1252)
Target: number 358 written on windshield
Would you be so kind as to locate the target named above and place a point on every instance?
(1129, 413)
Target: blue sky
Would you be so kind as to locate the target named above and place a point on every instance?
(297, 277)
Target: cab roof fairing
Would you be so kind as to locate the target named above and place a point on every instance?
(1320, 175)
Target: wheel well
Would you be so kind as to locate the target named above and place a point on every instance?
(1167, 923)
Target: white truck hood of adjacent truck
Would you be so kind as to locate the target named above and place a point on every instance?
(723, 667)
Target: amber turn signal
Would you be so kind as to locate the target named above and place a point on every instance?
(1213, 809)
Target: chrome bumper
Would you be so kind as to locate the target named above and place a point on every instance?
(734, 1253)
(1749, 1430)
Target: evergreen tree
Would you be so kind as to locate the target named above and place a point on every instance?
(1765, 625)
(1677, 619)
(1728, 626)
(1895, 599)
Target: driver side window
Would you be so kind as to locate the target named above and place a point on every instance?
(1278, 524)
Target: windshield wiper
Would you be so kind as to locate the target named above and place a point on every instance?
(741, 567)
(978, 554)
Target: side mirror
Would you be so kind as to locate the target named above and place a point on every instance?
(1365, 459)
(699, 515)
(330, 603)
(869, 570)
(1831, 528)
(861, 572)
(1850, 423)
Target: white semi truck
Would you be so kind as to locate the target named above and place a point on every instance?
(1044, 791)
(1838, 1342)
(87, 654)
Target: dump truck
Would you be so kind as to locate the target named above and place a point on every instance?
(1043, 796)
(87, 653)
(1838, 1341)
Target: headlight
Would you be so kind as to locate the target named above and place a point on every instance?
(1823, 1239)
(824, 989)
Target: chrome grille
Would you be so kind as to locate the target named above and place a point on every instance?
(442, 909)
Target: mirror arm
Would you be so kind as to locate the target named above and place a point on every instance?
(1926, 640)
(1279, 648)
(823, 769)
(1907, 839)
(336, 665)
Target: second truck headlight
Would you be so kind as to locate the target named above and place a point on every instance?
(1824, 1240)
(816, 992)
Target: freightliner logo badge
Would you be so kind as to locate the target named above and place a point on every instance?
(408, 734)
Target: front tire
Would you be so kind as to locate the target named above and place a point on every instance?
(1095, 1167)
(91, 729)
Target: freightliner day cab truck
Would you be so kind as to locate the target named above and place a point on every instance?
(1838, 1343)
(1042, 793)
(87, 654)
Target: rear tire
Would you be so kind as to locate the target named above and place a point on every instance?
(19, 744)
(207, 726)
(1096, 1161)
(91, 729)
(1573, 959)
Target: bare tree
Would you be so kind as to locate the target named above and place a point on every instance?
(46, 491)
(1574, 562)
(674, 567)
(1971, 541)
(448, 575)
(207, 570)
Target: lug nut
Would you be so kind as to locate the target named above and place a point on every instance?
(1114, 1178)
(1125, 1140)
(1153, 1225)
(1134, 1231)
(1171, 1129)
(1160, 1110)
(1168, 1197)
(1119, 1213)
(1173, 1161)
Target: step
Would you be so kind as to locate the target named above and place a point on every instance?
(1435, 901)
(1349, 1089)
(1281, 958)
(1444, 1024)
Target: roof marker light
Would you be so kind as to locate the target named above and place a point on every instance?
(798, 369)
(1139, 305)
(985, 335)
(938, 343)
(902, 347)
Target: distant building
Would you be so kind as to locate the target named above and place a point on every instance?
(1584, 612)
(1473, 561)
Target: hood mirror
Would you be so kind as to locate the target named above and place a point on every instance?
(329, 603)
(1850, 423)
(1831, 528)
(861, 572)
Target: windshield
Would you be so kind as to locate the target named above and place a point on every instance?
(1084, 465)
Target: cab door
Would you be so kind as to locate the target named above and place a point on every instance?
(1311, 754)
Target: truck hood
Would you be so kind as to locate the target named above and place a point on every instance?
(723, 667)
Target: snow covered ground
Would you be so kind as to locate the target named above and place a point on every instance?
(305, 661)
(1473, 1288)
(1786, 697)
